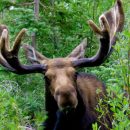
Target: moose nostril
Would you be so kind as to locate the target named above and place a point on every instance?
(67, 104)
(57, 93)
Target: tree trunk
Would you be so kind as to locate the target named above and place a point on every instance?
(36, 15)
(36, 9)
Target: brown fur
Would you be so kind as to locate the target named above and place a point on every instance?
(88, 86)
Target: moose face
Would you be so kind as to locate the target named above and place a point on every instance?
(60, 72)
(61, 76)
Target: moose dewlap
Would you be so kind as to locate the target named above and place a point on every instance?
(71, 97)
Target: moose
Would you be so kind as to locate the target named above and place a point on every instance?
(71, 97)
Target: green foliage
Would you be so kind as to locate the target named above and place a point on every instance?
(18, 107)
(95, 126)
(60, 27)
(10, 113)
(118, 102)
(5, 4)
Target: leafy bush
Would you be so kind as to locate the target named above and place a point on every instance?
(10, 113)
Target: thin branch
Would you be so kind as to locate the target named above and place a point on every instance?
(26, 4)
(43, 5)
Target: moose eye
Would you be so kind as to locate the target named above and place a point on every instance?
(50, 75)
(71, 71)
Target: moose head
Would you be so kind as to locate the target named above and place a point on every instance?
(61, 72)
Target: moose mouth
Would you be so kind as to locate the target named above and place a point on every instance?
(68, 110)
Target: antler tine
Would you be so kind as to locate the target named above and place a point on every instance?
(111, 22)
(4, 39)
(120, 15)
(10, 57)
(17, 42)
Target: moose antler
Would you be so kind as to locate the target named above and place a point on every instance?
(111, 22)
(9, 57)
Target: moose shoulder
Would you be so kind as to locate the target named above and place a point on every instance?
(71, 97)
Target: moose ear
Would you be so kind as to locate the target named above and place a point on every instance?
(79, 51)
(34, 56)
